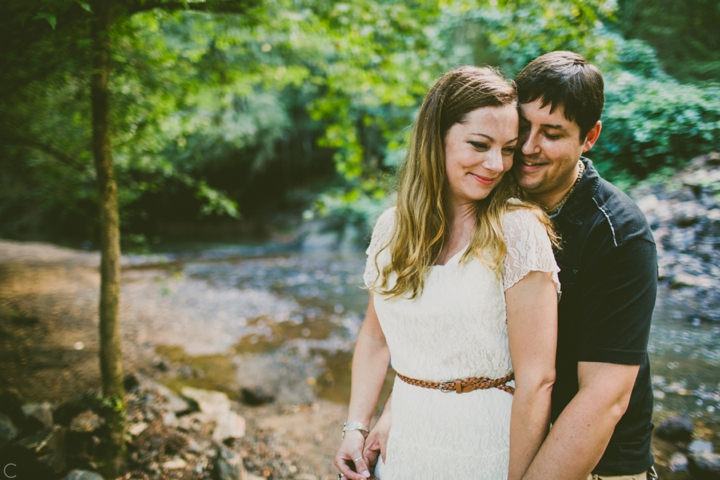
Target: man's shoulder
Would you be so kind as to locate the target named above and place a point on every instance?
(625, 220)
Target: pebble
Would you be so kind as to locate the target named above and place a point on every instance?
(174, 464)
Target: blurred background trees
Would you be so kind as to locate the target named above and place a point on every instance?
(238, 124)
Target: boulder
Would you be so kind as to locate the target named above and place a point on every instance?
(704, 466)
(675, 429)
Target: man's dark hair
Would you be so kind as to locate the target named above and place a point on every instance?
(564, 79)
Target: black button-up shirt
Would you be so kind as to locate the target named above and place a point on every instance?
(608, 263)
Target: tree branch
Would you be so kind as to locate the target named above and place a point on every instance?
(53, 152)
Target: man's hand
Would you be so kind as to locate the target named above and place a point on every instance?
(349, 459)
(376, 442)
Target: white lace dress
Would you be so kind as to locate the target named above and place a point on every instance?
(455, 329)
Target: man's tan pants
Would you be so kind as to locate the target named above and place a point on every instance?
(639, 476)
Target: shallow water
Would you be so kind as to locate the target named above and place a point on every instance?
(312, 341)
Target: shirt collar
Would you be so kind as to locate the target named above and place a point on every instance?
(574, 208)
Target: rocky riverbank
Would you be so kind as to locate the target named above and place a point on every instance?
(174, 327)
(684, 214)
(197, 434)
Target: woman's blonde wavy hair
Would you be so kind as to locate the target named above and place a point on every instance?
(421, 220)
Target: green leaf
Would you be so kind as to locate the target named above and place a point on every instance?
(47, 16)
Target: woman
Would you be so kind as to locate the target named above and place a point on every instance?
(463, 291)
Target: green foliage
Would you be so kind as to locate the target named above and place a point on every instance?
(214, 115)
(651, 123)
(684, 32)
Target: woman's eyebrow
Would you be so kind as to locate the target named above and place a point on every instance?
(483, 135)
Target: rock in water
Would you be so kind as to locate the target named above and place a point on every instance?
(675, 429)
(208, 401)
(229, 425)
(705, 466)
(229, 465)
(699, 446)
(678, 462)
(82, 475)
(7, 430)
(256, 396)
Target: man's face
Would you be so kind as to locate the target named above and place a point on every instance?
(550, 146)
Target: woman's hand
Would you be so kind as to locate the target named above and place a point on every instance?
(376, 442)
(349, 459)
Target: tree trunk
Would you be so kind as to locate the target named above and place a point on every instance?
(110, 348)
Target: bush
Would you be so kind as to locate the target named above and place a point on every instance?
(652, 123)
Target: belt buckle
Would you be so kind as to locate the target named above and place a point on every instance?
(447, 387)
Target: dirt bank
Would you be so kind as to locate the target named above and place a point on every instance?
(49, 343)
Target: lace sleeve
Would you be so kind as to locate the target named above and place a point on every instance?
(528, 248)
(380, 238)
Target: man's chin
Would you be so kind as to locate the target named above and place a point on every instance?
(526, 181)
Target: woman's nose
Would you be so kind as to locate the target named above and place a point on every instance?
(494, 161)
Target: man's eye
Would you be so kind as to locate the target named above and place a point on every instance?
(551, 137)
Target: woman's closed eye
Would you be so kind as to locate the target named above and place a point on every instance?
(478, 145)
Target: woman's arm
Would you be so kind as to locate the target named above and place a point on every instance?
(532, 332)
(369, 366)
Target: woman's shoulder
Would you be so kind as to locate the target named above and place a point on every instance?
(521, 213)
(386, 219)
(383, 228)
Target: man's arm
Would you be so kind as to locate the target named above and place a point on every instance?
(581, 433)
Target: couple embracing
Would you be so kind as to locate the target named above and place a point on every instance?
(507, 301)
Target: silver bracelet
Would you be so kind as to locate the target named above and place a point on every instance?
(355, 426)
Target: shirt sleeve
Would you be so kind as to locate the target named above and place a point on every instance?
(618, 298)
(381, 237)
(528, 248)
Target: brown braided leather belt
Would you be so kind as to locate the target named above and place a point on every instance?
(465, 385)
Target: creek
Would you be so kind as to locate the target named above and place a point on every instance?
(306, 350)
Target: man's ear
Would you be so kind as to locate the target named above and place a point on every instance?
(592, 136)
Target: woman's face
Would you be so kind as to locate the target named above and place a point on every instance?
(479, 151)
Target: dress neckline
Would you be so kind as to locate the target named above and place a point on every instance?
(457, 254)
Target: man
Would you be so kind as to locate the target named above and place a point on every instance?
(602, 397)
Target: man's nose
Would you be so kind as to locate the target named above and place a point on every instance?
(530, 143)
